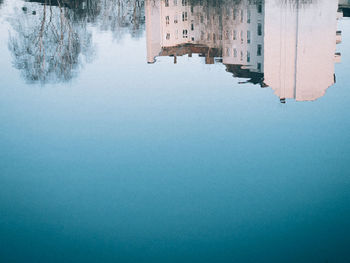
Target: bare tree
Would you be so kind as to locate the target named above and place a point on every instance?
(122, 16)
(46, 44)
(51, 39)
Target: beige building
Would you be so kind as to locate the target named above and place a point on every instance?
(226, 29)
(287, 45)
(300, 48)
(243, 32)
(174, 27)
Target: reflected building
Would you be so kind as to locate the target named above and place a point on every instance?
(243, 45)
(344, 7)
(231, 30)
(300, 48)
(176, 28)
(287, 45)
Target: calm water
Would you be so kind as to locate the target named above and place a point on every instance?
(134, 131)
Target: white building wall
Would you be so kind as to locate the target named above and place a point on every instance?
(239, 21)
(153, 29)
(300, 45)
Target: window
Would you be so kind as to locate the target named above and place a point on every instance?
(259, 29)
(241, 37)
(235, 52)
(259, 67)
(248, 37)
(184, 2)
(168, 36)
(234, 35)
(175, 19)
(175, 2)
(227, 13)
(192, 27)
(184, 33)
(241, 55)
(167, 20)
(184, 16)
(259, 51)
(226, 35)
(166, 3)
(248, 16)
(248, 56)
(260, 8)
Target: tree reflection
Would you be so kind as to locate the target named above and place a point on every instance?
(122, 16)
(51, 40)
(46, 44)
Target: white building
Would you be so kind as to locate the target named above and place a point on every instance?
(287, 45)
(243, 32)
(176, 23)
(233, 31)
(300, 47)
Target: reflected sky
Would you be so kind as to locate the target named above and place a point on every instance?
(111, 152)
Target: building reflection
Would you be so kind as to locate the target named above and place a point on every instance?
(344, 7)
(287, 45)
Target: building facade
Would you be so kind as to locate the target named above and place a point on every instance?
(287, 45)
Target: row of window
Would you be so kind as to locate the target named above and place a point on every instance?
(184, 34)
(184, 18)
(213, 35)
(235, 54)
(183, 2)
(234, 35)
(227, 35)
(228, 53)
(201, 18)
(239, 14)
(242, 57)
(236, 13)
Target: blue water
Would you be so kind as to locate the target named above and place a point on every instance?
(132, 162)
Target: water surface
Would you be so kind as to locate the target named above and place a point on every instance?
(133, 131)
